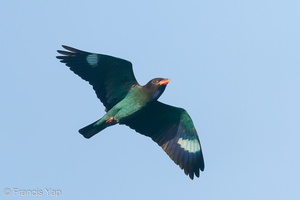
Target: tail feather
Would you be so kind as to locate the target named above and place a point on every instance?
(92, 129)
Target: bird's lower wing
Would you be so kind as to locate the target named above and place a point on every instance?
(172, 129)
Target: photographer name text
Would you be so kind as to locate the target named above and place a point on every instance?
(32, 192)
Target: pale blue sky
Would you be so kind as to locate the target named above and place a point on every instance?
(234, 67)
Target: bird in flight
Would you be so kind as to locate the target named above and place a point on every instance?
(129, 103)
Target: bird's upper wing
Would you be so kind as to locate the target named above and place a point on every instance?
(110, 77)
(172, 129)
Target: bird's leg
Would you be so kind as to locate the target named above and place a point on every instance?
(110, 120)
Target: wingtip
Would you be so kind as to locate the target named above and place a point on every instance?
(71, 49)
(191, 175)
(60, 51)
(202, 167)
(66, 47)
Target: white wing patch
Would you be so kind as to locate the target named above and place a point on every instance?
(191, 146)
(92, 59)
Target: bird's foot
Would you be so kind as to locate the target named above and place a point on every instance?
(110, 120)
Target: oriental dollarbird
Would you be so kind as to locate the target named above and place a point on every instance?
(136, 106)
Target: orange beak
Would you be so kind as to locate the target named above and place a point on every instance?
(164, 81)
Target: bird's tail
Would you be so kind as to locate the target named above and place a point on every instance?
(93, 129)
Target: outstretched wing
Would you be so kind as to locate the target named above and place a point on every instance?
(172, 129)
(110, 77)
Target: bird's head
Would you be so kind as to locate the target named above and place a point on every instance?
(156, 87)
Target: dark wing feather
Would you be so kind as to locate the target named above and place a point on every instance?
(172, 129)
(110, 77)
